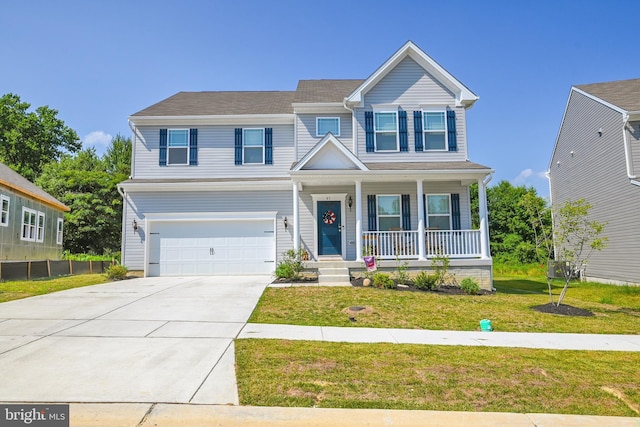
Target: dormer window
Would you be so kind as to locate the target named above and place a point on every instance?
(386, 130)
(325, 125)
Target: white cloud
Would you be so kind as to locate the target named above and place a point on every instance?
(98, 139)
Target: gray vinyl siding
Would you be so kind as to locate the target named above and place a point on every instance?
(596, 171)
(215, 154)
(139, 204)
(306, 129)
(633, 136)
(12, 247)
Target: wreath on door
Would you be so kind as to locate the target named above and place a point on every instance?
(328, 217)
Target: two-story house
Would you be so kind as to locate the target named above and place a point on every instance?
(597, 157)
(225, 182)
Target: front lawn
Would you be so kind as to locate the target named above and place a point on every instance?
(616, 309)
(27, 288)
(394, 376)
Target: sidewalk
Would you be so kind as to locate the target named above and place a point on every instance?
(596, 342)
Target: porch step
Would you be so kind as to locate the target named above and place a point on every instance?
(333, 275)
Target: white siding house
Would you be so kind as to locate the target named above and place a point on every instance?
(225, 182)
(597, 157)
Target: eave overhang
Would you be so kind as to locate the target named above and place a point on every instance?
(232, 119)
(31, 195)
(164, 185)
(319, 108)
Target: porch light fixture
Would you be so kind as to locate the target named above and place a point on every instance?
(286, 223)
(600, 132)
(349, 202)
(135, 225)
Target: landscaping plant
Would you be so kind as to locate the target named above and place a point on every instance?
(291, 265)
(470, 286)
(425, 282)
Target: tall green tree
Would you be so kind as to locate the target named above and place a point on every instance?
(88, 185)
(31, 139)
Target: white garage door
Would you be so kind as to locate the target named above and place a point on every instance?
(201, 248)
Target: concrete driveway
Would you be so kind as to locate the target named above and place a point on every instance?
(140, 340)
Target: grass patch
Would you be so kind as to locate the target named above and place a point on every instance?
(616, 308)
(393, 376)
(28, 288)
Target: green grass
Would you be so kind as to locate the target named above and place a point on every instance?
(616, 308)
(27, 288)
(393, 376)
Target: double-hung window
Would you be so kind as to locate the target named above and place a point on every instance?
(325, 125)
(4, 211)
(178, 147)
(389, 213)
(439, 211)
(40, 228)
(29, 221)
(435, 131)
(386, 131)
(59, 231)
(253, 146)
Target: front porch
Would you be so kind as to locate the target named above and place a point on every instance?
(401, 244)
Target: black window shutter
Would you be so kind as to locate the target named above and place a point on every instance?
(451, 130)
(368, 128)
(238, 146)
(163, 147)
(402, 125)
(417, 130)
(455, 211)
(372, 207)
(406, 212)
(193, 147)
(268, 146)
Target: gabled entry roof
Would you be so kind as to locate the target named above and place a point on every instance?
(329, 154)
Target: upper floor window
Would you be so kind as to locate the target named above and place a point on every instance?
(327, 124)
(389, 213)
(253, 145)
(29, 224)
(4, 210)
(386, 131)
(178, 147)
(435, 131)
(59, 231)
(438, 211)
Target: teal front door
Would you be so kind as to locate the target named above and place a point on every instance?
(329, 228)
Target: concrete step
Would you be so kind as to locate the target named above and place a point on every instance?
(333, 275)
(333, 279)
(333, 271)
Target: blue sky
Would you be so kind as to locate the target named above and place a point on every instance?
(98, 62)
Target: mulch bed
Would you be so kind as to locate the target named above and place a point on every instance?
(446, 290)
(563, 309)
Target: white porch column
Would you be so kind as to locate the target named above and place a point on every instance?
(421, 236)
(296, 218)
(484, 219)
(358, 221)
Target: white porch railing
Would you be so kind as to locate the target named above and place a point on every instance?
(404, 244)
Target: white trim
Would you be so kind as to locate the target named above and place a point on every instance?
(330, 197)
(327, 118)
(231, 120)
(31, 234)
(266, 184)
(5, 223)
(425, 131)
(375, 131)
(40, 230)
(426, 209)
(185, 147)
(399, 216)
(329, 138)
(59, 231)
(254, 146)
(319, 108)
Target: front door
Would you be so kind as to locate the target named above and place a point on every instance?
(329, 228)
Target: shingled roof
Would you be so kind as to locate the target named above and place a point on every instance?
(624, 94)
(325, 90)
(17, 182)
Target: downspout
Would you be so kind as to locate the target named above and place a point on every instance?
(627, 151)
(133, 146)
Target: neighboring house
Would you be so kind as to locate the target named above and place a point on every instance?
(225, 182)
(597, 157)
(31, 221)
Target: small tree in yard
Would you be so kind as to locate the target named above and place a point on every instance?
(573, 238)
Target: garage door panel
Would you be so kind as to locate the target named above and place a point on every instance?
(212, 247)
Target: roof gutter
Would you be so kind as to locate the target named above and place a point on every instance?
(627, 151)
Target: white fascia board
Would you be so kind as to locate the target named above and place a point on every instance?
(146, 187)
(600, 100)
(320, 108)
(390, 175)
(464, 96)
(210, 216)
(236, 119)
(329, 138)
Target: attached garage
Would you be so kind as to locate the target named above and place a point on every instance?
(217, 246)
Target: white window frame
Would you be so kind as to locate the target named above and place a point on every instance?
(428, 215)
(253, 146)
(59, 230)
(169, 147)
(28, 230)
(378, 216)
(318, 119)
(376, 131)
(425, 131)
(4, 213)
(40, 227)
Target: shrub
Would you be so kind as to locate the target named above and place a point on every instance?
(284, 271)
(117, 272)
(382, 280)
(470, 286)
(425, 282)
(401, 276)
(291, 265)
